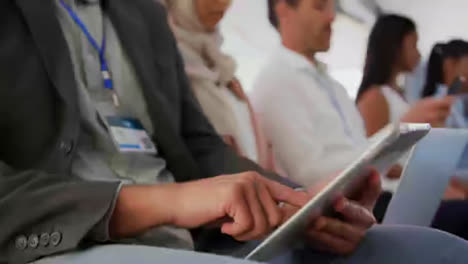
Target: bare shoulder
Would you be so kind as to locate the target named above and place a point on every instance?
(374, 109)
(372, 96)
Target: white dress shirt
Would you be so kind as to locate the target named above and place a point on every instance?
(314, 126)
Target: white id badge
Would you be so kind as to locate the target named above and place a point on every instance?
(129, 135)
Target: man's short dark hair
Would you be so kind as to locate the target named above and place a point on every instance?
(272, 16)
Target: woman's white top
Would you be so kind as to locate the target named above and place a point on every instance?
(398, 107)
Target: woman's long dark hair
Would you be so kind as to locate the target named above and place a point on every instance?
(455, 49)
(384, 49)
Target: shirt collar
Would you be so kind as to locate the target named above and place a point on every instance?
(299, 61)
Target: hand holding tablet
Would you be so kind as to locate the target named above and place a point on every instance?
(394, 141)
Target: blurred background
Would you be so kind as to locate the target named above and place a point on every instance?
(250, 38)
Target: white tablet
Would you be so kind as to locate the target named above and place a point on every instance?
(382, 154)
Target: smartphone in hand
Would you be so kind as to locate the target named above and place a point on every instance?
(456, 86)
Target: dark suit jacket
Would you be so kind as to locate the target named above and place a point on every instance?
(39, 123)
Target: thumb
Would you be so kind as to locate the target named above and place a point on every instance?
(242, 219)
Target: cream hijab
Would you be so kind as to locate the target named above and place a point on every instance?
(201, 49)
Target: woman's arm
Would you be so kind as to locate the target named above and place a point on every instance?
(375, 110)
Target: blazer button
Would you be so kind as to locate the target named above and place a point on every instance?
(44, 240)
(55, 238)
(33, 241)
(66, 146)
(21, 243)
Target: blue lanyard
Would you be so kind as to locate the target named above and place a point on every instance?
(108, 82)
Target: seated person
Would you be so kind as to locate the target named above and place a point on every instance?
(315, 128)
(449, 62)
(211, 74)
(392, 50)
(75, 76)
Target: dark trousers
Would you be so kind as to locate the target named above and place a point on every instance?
(452, 216)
